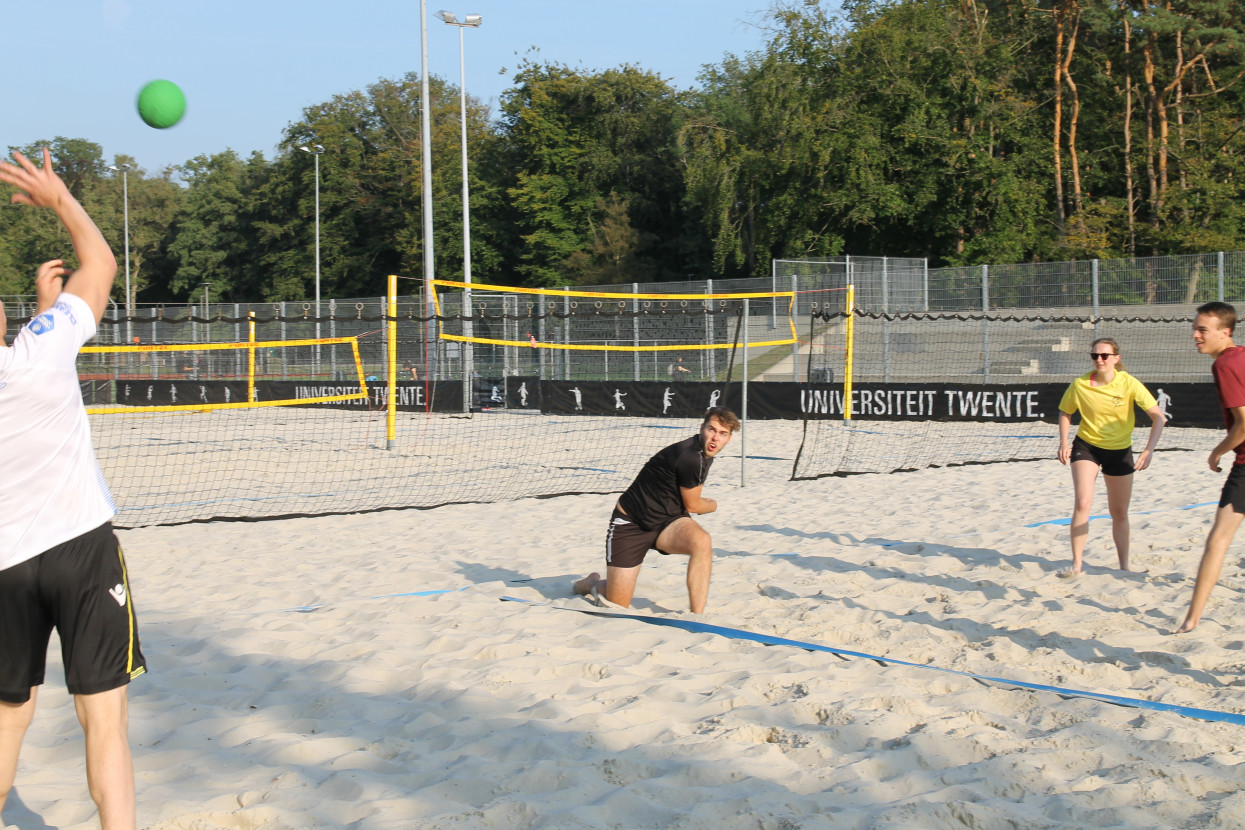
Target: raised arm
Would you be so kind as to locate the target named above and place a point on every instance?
(41, 187)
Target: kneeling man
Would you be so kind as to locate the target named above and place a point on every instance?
(654, 513)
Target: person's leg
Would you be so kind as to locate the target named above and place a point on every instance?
(14, 720)
(684, 536)
(109, 768)
(1227, 520)
(618, 586)
(1084, 474)
(1119, 494)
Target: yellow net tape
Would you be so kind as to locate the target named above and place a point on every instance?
(250, 346)
(608, 295)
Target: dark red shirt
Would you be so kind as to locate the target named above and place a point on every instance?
(1229, 372)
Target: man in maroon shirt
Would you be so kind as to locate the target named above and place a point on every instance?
(1212, 332)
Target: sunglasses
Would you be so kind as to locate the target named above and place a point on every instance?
(1103, 356)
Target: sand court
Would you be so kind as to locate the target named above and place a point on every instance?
(363, 671)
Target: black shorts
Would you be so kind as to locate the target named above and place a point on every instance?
(1234, 489)
(1112, 462)
(626, 544)
(79, 588)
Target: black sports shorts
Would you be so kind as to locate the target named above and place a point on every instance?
(80, 589)
(626, 544)
(1234, 489)
(1112, 462)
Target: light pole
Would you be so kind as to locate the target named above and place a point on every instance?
(471, 21)
(316, 151)
(124, 170)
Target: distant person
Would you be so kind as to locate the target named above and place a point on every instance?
(655, 514)
(1105, 397)
(677, 370)
(1212, 333)
(60, 562)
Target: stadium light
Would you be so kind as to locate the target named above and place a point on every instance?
(124, 170)
(471, 21)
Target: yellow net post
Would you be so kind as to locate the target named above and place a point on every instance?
(391, 326)
(847, 362)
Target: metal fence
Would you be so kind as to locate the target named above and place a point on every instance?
(1144, 286)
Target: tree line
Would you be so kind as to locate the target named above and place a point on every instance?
(963, 131)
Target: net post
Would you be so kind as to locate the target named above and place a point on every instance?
(635, 332)
(886, 325)
(566, 334)
(849, 356)
(333, 333)
(985, 324)
(795, 346)
(1094, 284)
(250, 357)
(391, 376)
(743, 415)
(773, 286)
(540, 334)
(713, 365)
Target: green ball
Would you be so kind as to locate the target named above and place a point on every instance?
(161, 104)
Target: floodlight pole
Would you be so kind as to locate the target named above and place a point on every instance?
(425, 145)
(125, 169)
(471, 21)
(316, 151)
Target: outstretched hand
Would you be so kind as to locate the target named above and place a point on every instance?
(37, 186)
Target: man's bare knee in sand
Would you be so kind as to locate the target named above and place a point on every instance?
(655, 514)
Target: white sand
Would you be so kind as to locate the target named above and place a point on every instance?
(458, 710)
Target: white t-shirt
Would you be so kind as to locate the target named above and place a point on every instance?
(51, 486)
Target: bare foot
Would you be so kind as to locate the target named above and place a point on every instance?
(1069, 574)
(1186, 627)
(584, 586)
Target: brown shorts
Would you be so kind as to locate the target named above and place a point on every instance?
(626, 544)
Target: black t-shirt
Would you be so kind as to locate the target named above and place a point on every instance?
(654, 498)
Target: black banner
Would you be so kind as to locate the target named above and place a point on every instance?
(1185, 404)
(437, 396)
(522, 393)
(638, 399)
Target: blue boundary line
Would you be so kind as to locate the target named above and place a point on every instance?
(769, 640)
(1068, 521)
(1194, 712)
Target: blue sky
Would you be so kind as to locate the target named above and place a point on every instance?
(74, 67)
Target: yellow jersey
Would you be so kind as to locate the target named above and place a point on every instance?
(1107, 415)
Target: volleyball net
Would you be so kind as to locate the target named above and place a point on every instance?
(891, 392)
(400, 413)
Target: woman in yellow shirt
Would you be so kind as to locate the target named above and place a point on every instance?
(1105, 398)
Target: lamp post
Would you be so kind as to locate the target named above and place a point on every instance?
(471, 21)
(316, 151)
(124, 170)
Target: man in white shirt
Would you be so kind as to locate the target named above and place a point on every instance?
(60, 562)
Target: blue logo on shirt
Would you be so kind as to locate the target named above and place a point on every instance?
(43, 323)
